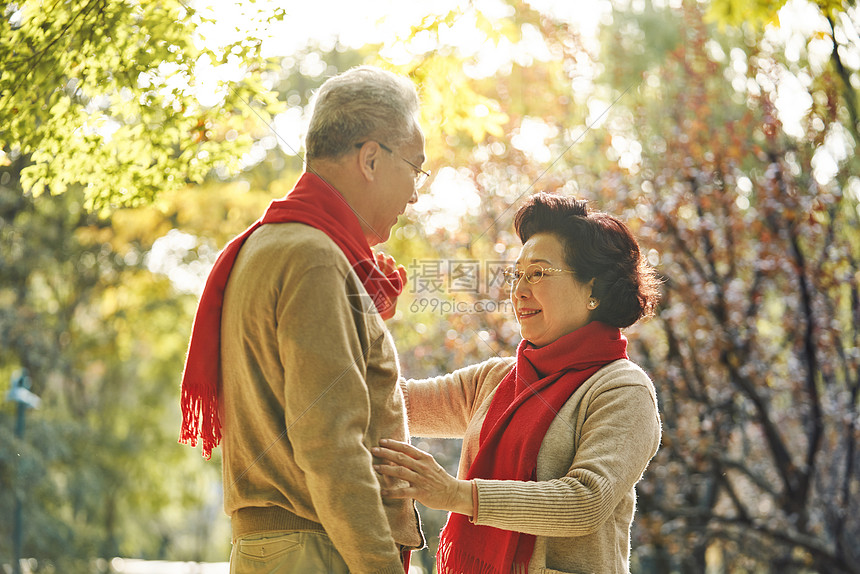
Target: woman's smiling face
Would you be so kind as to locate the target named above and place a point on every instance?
(556, 305)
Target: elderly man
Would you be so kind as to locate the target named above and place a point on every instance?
(290, 357)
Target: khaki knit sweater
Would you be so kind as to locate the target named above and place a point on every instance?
(594, 452)
(309, 386)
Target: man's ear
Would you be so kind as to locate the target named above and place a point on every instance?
(368, 160)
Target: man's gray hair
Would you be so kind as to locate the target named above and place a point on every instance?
(360, 104)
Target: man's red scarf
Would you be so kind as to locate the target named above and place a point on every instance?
(525, 404)
(312, 202)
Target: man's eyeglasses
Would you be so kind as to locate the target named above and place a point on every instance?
(420, 177)
(533, 273)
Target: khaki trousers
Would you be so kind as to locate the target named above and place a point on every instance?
(286, 553)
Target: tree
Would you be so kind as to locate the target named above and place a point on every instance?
(841, 31)
(96, 332)
(117, 97)
(753, 349)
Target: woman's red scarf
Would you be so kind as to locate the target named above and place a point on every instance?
(312, 202)
(526, 402)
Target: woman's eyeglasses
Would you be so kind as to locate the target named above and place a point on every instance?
(420, 176)
(533, 273)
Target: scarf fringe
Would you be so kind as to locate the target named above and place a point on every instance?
(200, 419)
(451, 560)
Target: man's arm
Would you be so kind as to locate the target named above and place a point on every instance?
(328, 412)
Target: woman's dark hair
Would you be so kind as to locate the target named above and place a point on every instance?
(596, 246)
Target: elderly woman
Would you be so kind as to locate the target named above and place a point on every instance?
(554, 439)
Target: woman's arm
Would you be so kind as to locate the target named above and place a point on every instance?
(617, 441)
(619, 438)
(441, 407)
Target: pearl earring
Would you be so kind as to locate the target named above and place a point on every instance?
(592, 304)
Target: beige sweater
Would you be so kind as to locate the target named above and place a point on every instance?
(582, 505)
(309, 386)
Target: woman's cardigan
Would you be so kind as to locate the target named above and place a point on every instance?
(581, 506)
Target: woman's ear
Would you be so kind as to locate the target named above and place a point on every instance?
(593, 302)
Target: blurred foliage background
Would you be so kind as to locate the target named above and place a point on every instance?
(136, 140)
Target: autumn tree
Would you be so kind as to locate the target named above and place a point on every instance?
(121, 99)
(755, 348)
(96, 330)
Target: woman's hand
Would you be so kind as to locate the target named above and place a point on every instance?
(429, 483)
(388, 266)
